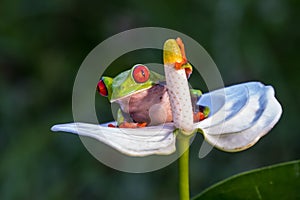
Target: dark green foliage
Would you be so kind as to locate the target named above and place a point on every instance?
(280, 181)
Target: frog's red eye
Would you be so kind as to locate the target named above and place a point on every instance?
(101, 88)
(140, 73)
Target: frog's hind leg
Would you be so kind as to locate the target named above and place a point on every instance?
(123, 121)
(132, 125)
(201, 113)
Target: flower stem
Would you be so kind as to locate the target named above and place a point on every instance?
(183, 147)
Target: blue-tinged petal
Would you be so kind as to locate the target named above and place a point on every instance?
(243, 105)
(158, 140)
(244, 125)
(223, 104)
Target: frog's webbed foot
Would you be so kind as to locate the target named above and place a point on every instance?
(124, 121)
(201, 113)
(112, 126)
(179, 65)
(183, 64)
(132, 125)
(199, 116)
(180, 44)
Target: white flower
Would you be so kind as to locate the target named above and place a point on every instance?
(240, 116)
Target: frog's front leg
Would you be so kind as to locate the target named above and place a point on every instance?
(123, 121)
(195, 93)
(200, 112)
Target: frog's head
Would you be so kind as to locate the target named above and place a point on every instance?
(129, 82)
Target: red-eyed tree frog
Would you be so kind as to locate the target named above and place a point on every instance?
(143, 98)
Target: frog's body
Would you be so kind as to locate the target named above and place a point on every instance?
(149, 106)
(142, 96)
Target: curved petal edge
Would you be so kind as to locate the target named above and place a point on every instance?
(241, 127)
(158, 140)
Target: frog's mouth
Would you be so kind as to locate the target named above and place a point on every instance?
(118, 98)
(124, 98)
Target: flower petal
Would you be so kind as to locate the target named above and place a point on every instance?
(133, 142)
(249, 111)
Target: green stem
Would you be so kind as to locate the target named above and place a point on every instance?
(183, 147)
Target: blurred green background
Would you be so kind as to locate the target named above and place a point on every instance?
(42, 45)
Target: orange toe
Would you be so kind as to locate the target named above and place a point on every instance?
(199, 116)
(132, 125)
